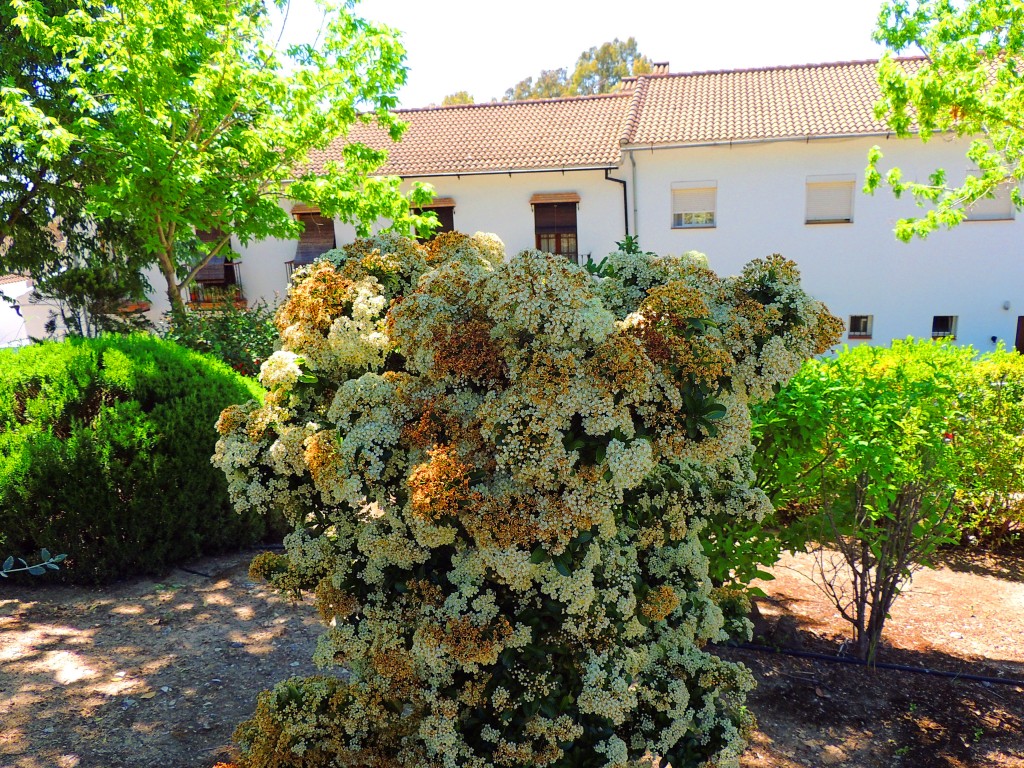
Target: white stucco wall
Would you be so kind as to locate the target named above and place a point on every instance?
(856, 268)
(13, 330)
(498, 203)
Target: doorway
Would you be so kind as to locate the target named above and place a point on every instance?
(1019, 343)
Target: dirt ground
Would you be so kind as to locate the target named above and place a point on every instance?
(158, 673)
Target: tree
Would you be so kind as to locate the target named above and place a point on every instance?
(970, 83)
(598, 70)
(459, 97)
(601, 68)
(210, 128)
(88, 266)
(859, 450)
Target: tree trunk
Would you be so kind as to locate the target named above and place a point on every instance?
(173, 292)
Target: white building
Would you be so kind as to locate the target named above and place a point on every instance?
(13, 329)
(736, 164)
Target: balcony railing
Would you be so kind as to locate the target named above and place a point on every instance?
(217, 284)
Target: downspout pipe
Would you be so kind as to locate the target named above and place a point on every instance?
(625, 199)
(636, 220)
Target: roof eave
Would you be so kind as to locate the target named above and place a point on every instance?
(633, 147)
(507, 171)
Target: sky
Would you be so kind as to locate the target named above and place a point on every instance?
(485, 47)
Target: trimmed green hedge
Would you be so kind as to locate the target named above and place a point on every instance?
(105, 449)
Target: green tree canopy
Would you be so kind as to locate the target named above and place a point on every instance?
(598, 70)
(969, 84)
(86, 265)
(210, 125)
(459, 97)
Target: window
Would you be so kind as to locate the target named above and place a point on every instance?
(444, 209)
(829, 199)
(999, 207)
(216, 281)
(317, 238)
(693, 204)
(219, 278)
(860, 326)
(944, 326)
(554, 223)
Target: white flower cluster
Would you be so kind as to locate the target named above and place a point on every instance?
(499, 472)
(281, 369)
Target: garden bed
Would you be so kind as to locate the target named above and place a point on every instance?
(159, 672)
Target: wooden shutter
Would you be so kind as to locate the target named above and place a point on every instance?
(554, 218)
(213, 272)
(317, 238)
(829, 200)
(444, 209)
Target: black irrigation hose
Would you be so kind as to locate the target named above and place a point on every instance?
(275, 547)
(878, 664)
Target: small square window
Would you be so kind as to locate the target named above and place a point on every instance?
(999, 207)
(944, 326)
(693, 204)
(829, 199)
(860, 326)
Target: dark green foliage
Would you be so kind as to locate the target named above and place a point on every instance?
(105, 449)
(241, 337)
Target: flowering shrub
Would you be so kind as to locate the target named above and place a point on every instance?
(498, 473)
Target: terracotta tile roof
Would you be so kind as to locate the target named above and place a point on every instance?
(814, 100)
(9, 279)
(546, 134)
(756, 104)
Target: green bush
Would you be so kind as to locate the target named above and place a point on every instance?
(105, 451)
(885, 454)
(241, 337)
(988, 435)
(979, 409)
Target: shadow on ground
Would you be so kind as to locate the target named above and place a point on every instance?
(140, 674)
(1007, 566)
(814, 713)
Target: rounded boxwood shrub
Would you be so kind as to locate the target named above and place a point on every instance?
(105, 451)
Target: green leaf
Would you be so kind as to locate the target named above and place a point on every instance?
(562, 566)
(539, 555)
(36, 570)
(715, 412)
(44, 554)
(8, 564)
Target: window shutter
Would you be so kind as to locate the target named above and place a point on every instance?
(317, 238)
(210, 235)
(554, 218)
(694, 205)
(829, 201)
(212, 272)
